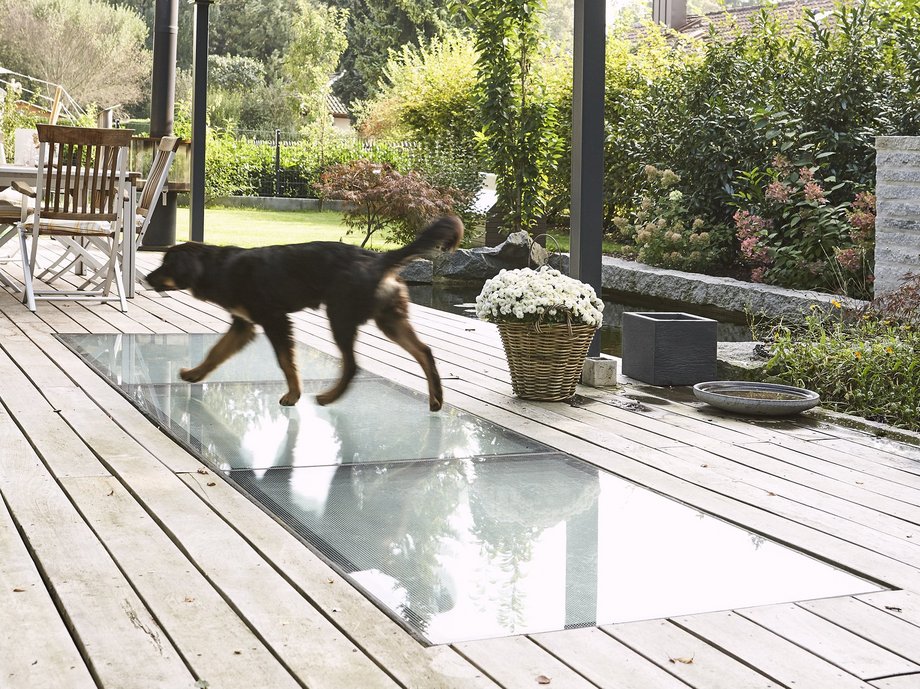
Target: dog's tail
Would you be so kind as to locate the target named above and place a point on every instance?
(444, 233)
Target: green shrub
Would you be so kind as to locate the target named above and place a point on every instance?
(867, 363)
(821, 89)
(666, 234)
(380, 198)
(791, 232)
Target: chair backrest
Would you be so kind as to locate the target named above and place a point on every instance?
(81, 172)
(156, 181)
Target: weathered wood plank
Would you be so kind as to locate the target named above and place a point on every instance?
(903, 604)
(214, 641)
(605, 661)
(839, 646)
(515, 662)
(108, 619)
(273, 609)
(902, 682)
(881, 627)
(39, 654)
(686, 656)
(80, 376)
(779, 659)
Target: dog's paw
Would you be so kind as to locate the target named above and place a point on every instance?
(435, 404)
(191, 375)
(289, 399)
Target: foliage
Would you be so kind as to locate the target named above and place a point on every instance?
(450, 166)
(867, 365)
(318, 43)
(792, 234)
(100, 58)
(260, 30)
(234, 73)
(427, 93)
(519, 135)
(379, 197)
(901, 305)
(264, 107)
(716, 112)
(147, 12)
(374, 28)
(11, 119)
(665, 234)
(545, 295)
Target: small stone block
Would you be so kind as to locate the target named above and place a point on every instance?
(669, 348)
(599, 371)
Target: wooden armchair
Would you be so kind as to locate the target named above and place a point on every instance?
(81, 184)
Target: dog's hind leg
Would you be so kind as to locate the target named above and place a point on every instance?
(279, 334)
(395, 325)
(240, 334)
(344, 332)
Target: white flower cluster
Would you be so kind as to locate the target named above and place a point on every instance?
(525, 294)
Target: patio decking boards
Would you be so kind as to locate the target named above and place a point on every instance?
(125, 563)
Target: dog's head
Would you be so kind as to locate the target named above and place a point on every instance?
(181, 268)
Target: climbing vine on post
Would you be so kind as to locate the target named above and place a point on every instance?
(519, 122)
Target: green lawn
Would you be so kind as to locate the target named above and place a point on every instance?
(253, 227)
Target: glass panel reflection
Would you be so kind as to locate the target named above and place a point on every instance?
(470, 549)
(459, 528)
(151, 359)
(241, 425)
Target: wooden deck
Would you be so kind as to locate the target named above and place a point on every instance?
(125, 563)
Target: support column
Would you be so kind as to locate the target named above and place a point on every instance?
(199, 120)
(162, 230)
(587, 212)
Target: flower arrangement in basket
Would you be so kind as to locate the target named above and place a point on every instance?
(546, 321)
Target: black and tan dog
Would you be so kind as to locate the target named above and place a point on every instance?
(262, 286)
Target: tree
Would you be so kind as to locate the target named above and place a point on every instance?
(378, 197)
(427, 93)
(261, 30)
(519, 133)
(147, 11)
(318, 43)
(374, 28)
(92, 49)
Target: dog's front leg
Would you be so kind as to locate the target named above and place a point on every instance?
(240, 334)
(279, 334)
(344, 332)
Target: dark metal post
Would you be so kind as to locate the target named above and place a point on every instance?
(587, 230)
(163, 91)
(199, 120)
(277, 162)
(162, 230)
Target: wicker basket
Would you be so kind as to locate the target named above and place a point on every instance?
(545, 360)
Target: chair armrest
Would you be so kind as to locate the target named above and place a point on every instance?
(23, 188)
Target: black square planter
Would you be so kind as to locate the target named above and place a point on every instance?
(668, 348)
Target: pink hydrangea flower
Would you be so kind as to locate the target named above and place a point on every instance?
(778, 192)
(814, 192)
(849, 259)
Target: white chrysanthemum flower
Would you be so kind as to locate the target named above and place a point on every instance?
(526, 295)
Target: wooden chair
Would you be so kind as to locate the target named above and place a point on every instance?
(11, 213)
(81, 184)
(151, 189)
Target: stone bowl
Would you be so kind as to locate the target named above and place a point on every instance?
(756, 399)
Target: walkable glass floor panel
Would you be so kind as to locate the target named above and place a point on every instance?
(458, 528)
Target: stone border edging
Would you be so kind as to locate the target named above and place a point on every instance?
(725, 293)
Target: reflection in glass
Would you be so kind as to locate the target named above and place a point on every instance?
(459, 528)
(475, 548)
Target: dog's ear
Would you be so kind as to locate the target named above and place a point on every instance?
(183, 263)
